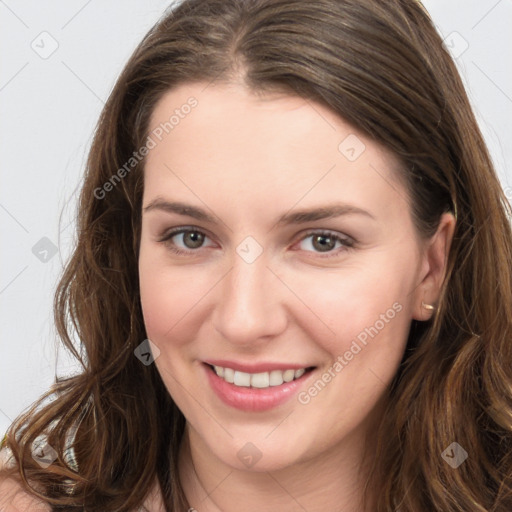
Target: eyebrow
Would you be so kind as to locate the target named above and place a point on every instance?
(295, 217)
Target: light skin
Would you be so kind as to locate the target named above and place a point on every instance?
(247, 160)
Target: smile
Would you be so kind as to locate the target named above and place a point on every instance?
(258, 380)
(259, 390)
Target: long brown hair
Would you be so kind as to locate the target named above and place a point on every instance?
(381, 66)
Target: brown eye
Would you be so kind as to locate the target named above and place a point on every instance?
(184, 241)
(193, 239)
(323, 243)
(328, 243)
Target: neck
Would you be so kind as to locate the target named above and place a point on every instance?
(333, 480)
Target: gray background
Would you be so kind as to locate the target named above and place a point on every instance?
(59, 62)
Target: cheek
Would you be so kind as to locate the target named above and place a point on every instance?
(368, 321)
(357, 303)
(168, 295)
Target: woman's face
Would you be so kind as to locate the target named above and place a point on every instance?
(296, 251)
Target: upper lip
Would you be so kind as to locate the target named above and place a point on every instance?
(255, 367)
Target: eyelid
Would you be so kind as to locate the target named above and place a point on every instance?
(327, 232)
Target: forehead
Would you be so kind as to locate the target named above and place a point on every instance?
(275, 148)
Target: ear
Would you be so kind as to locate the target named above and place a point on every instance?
(433, 269)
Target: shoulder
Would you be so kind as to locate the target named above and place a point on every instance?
(14, 498)
(154, 499)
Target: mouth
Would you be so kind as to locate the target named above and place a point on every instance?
(256, 391)
(260, 380)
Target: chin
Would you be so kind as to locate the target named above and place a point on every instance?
(259, 454)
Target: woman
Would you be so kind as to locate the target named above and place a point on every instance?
(292, 279)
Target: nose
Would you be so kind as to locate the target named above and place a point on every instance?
(250, 308)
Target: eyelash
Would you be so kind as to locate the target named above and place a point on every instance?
(347, 243)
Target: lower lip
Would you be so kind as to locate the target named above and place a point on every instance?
(254, 399)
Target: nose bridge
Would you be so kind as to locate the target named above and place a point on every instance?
(250, 307)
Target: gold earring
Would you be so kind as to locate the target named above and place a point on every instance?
(428, 306)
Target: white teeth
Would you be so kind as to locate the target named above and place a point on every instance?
(258, 380)
(276, 378)
(242, 379)
(288, 375)
(229, 375)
